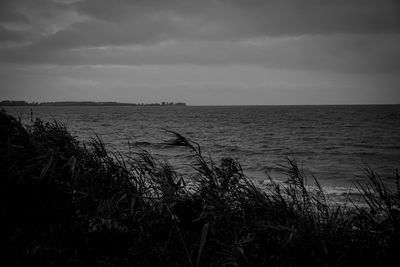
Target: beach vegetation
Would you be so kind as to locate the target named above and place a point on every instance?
(65, 203)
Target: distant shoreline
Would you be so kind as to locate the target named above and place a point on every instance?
(8, 103)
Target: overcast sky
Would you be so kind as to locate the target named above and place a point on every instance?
(204, 52)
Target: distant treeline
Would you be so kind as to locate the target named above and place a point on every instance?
(85, 103)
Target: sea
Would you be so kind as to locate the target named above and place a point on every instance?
(334, 144)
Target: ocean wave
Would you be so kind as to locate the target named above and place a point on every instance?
(333, 142)
(337, 194)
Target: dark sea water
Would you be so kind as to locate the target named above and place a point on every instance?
(333, 143)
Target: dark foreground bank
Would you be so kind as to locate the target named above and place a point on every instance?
(66, 204)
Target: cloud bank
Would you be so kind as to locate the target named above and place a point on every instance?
(272, 33)
(350, 37)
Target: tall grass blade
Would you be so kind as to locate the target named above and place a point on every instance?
(46, 167)
(204, 232)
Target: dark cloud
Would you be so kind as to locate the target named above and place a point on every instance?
(33, 20)
(95, 33)
(261, 17)
(135, 22)
(341, 35)
(7, 16)
(338, 53)
(9, 37)
(141, 21)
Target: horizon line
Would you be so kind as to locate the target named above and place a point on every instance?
(196, 105)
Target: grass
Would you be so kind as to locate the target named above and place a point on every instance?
(69, 204)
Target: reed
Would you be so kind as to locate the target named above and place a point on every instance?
(70, 204)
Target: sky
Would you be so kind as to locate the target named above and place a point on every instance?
(203, 52)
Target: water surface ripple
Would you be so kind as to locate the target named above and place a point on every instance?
(333, 143)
